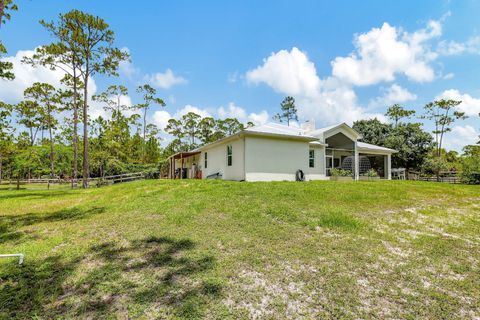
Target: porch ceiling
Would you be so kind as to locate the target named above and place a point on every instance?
(340, 141)
(184, 155)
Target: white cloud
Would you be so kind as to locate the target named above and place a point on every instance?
(287, 72)
(292, 73)
(189, 108)
(165, 80)
(25, 76)
(449, 76)
(160, 118)
(469, 105)
(461, 136)
(393, 94)
(383, 52)
(234, 111)
(379, 56)
(259, 118)
(452, 48)
(127, 68)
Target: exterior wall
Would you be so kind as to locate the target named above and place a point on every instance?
(318, 171)
(217, 160)
(270, 159)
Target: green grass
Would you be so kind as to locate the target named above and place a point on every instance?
(213, 249)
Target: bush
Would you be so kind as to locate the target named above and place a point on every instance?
(340, 172)
(371, 173)
(151, 173)
(434, 165)
(471, 170)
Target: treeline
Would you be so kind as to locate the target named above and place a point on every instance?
(418, 149)
(51, 133)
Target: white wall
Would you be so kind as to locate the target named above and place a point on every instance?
(217, 160)
(318, 171)
(269, 159)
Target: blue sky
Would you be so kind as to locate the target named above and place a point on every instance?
(341, 60)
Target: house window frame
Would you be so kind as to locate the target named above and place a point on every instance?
(311, 158)
(229, 155)
(205, 159)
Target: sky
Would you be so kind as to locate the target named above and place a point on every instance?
(341, 60)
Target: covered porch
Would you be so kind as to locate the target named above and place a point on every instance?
(345, 153)
(184, 165)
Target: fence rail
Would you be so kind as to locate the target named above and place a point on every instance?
(97, 181)
(449, 177)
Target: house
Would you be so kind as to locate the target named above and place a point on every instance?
(276, 152)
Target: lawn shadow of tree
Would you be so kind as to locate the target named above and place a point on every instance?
(159, 276)
(34, 194)
(10, 224)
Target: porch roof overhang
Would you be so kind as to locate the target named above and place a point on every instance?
(364, 147)
(318, 143)
(183, 155)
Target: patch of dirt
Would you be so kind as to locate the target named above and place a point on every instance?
(260, 297)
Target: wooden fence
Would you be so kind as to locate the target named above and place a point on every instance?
(448, 177)
(56, 183)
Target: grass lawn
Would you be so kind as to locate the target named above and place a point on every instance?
(220, 250)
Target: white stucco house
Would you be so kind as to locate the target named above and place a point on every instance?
(275, 152)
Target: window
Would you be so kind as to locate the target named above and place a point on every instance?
(206, 160)
(311, 158)
(229, 155)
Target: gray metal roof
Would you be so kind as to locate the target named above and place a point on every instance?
(279, 129)
(368, 146)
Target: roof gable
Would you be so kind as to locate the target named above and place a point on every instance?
(344, 128)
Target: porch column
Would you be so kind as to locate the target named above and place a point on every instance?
(357, 163)
(388, 167)
(181, 170)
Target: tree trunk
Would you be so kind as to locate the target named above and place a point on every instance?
(75, 129)
(31, 137)
(85, 172)
(2, 8)
(51, 143)
(144, 134)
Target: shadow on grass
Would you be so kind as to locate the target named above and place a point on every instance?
(10, 224)
(155, 277)
(34, 194)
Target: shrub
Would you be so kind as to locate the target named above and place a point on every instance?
(471, 170)
(340, 172)
(151, 173)
(372, 173)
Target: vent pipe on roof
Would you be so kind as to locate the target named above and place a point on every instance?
(308, 125)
